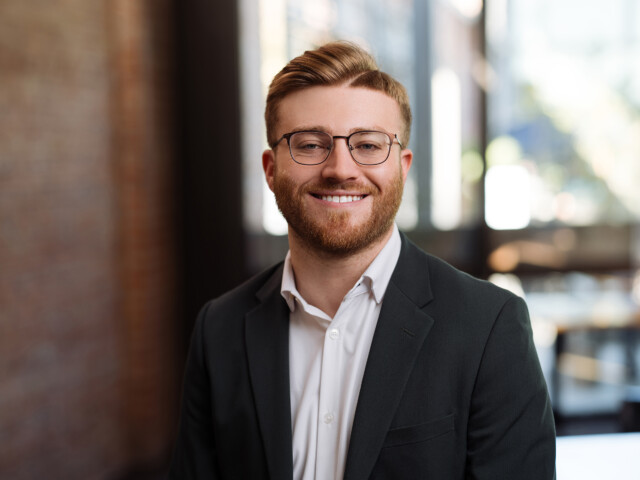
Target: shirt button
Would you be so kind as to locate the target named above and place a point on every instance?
(328, 418)
(334, 333)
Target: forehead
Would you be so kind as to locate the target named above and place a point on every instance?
(338, 109)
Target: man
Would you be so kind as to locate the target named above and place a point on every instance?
(359, 356)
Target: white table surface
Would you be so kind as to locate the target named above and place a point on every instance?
(598, 457)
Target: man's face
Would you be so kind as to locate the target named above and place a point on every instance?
(338, 207)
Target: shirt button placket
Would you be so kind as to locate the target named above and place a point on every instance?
(329, 401)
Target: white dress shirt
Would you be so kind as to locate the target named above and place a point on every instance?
(327, 358)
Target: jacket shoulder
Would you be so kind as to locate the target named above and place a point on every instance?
(445, 275)
(445, 285)
(245, 296)
(441, 274)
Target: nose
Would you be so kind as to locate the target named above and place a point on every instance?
(340, 164)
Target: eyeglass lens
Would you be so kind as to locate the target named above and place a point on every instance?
(368, 148)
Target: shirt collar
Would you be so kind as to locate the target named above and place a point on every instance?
(376, 277)
(378, 274)
(288, 289)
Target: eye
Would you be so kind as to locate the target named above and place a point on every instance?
(309, 146)
(367, 146)
(310, 142)
(369, 142)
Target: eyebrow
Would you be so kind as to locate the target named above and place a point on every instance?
(318, 128)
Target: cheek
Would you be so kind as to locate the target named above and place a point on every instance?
(286, 182)
(295, 176)
(388, 176)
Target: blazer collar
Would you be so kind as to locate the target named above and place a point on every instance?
(267, 344)
(411, 275)
(401, 330)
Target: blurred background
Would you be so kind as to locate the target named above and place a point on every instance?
(131, 191)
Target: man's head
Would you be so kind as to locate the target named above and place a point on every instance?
(337, 163)
(332, 64)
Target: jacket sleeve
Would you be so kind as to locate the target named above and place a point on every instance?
(194, 455)
(511, 431)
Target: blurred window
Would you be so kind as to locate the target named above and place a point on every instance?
(563, 112)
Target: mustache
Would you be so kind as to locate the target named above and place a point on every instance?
(329, 186)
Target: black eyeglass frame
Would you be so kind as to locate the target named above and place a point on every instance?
(333, 137)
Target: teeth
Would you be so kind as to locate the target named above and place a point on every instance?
(341, 198)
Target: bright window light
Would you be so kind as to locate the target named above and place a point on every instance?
(468, 8)
(446, 186)
(507, 197)
(272, 220)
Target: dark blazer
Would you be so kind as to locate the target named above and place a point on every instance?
(452, 388)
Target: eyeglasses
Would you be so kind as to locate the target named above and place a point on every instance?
(313, 147)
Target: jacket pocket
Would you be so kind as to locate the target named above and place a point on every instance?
(419, 433)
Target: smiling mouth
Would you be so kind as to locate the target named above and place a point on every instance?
(339, 198)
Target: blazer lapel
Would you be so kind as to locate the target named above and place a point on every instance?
(401, 330)
(267, 343)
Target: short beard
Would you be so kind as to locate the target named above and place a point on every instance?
(333, 234)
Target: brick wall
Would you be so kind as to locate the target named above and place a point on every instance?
(141, 50)
(87, 298)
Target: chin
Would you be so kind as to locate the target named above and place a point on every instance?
(340, 238)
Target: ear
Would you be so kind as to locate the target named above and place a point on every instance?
(268, 165)
(406, 158)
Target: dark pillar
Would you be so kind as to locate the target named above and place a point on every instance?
(209, 154)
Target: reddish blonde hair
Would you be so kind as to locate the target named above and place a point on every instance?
(334, 63)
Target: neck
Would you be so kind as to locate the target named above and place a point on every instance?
(323, 279)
